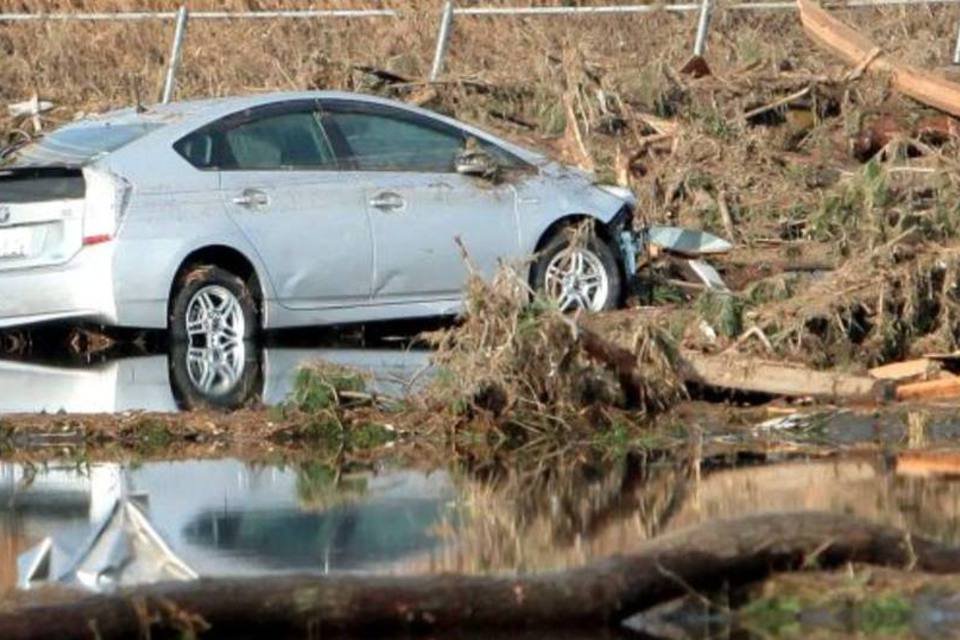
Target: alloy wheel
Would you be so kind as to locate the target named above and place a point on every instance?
(577, 279)
(215, 328)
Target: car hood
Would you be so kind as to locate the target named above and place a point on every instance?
(555, 169)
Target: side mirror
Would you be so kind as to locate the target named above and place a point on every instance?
(476, 162)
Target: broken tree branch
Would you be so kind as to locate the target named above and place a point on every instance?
(731, 552)
(776, 103)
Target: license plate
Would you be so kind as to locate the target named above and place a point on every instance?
(16, 242)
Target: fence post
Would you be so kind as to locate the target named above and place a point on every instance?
(178, 36)
(956, 48)
(443, 40)
(702, 26)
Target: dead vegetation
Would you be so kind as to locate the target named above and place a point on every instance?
(517, 362)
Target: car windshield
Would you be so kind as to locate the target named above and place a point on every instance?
(75, 146)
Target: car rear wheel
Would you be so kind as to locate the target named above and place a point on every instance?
(584, 275)
(212, 309)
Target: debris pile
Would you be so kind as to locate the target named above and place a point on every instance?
(832, 168)
(519, 361)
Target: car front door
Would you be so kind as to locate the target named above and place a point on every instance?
(280, 182)
(420, 208)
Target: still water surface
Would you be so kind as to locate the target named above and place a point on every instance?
(185, 379)
(230, 517)
(227, 517)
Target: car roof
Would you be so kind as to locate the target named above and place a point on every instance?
(212, 108)
(195, 113)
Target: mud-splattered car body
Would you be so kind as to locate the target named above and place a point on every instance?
(100, 218)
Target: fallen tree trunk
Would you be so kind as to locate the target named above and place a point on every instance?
(732, 553)
(857, 50)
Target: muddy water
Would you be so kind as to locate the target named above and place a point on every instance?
(184, 379)
(226, 517)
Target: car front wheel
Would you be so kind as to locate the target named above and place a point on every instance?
(584, 275)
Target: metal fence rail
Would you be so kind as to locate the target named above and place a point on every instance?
(199, 15)
(676, 7)
(449, 13)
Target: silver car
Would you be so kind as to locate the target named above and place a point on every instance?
(217, 218)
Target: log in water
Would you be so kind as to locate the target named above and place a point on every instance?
(730, 552)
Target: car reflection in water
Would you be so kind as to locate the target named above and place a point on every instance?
(358, 530)
(227, 517)
(188, 379)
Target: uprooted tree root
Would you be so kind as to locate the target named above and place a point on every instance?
(716, 555)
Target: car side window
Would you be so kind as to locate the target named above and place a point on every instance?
(272, 142)
(384, 142)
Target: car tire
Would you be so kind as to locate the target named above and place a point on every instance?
(237, 320)
(598, 262)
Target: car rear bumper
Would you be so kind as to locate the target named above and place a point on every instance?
(80, 289)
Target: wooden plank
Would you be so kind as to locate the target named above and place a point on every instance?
(919, 369)
(738, 372)
(744, 373)
(930, 390)
(928, 463)
(833, 35)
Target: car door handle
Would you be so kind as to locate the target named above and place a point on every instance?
(251, 199)
(388, 201)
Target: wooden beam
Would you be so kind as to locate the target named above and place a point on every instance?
(919, 369)
(928, 463)
(746, 373)
(930, 390)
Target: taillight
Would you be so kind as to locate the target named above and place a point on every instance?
(89, 240)
(106, 202)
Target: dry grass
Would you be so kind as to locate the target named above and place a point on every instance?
(517, 359)
(520, 72)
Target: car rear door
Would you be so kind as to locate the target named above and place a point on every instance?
(419, 206)
(280, 182)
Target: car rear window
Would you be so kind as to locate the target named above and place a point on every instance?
(20, 186)
(76, 146)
